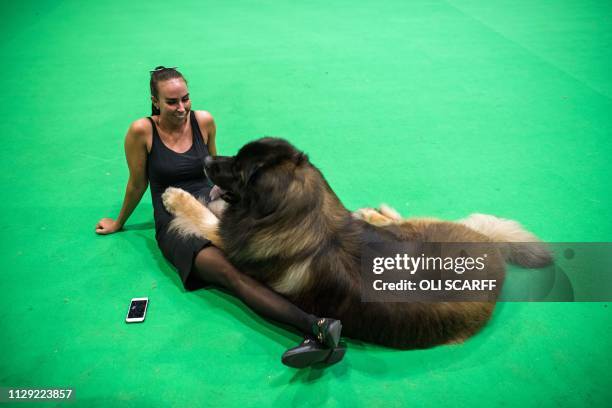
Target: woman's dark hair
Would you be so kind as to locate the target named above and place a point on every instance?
(159, 74)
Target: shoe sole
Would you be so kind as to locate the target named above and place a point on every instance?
(321, 357)
(336, 355)
(306, 359)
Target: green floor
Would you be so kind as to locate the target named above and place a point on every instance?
(438, 108)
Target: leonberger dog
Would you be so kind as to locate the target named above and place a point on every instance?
(284, 225)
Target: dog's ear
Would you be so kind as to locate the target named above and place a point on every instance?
(252, 172)
(255, 168)
(300, 158)
(267, 189)
(263, 194)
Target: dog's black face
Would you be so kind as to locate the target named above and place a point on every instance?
(257, 176)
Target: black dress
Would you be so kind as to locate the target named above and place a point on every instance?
(167, 168)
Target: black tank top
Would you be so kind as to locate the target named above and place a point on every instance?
(167, 168)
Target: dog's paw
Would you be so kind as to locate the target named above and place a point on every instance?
(372, 216)
(175, 198)
(366, 214)
(361, 214)
(389, 212)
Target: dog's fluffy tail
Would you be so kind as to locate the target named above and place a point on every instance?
(518, 246)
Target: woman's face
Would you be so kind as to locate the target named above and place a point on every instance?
(173, 98)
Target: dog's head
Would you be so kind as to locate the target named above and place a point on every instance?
(258, 176)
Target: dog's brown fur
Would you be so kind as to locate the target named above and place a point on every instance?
(286, 227)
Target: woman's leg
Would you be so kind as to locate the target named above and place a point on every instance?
(211, 266)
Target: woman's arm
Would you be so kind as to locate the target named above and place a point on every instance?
(206, 122)
(136, 155)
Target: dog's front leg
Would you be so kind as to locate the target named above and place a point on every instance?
(191, 217)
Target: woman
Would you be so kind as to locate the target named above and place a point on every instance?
(168, 149)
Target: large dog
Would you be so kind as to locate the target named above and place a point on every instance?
(284, 225)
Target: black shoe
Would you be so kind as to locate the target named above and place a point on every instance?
(311, 352)
(327, 331)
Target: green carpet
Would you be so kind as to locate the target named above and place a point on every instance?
(438, 108)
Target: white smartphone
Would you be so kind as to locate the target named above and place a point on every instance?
(138, 310)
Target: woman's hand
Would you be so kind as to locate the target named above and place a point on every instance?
(107, 226)
(215, 193)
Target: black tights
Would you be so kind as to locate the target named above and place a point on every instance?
(212, 266)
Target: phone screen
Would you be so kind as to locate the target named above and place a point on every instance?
(137, 309)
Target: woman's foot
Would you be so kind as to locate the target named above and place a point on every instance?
(327, 331)
(311, 352)
(320, 347)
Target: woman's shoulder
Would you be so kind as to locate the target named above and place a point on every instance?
(206, 122)
(204, 117)
(141, 126)
(140, 131)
